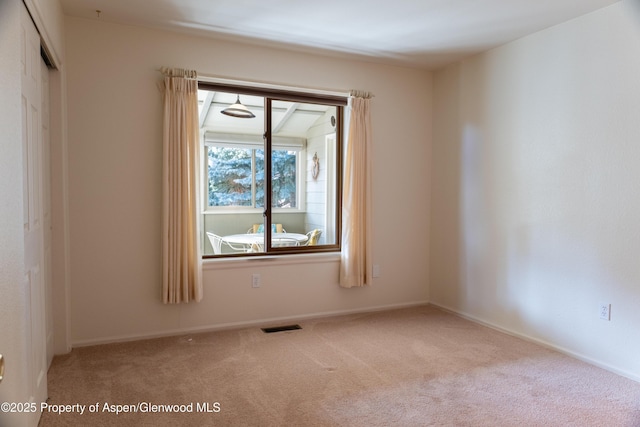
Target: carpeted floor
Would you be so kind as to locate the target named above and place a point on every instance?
(412, 367)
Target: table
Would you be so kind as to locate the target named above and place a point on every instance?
(251, 240)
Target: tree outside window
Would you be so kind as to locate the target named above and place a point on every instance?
(236, 177)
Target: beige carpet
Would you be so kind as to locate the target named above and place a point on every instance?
(411, 367)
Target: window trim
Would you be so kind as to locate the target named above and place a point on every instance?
(276, 93)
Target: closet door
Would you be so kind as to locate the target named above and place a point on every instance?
(33, 210)
(46, 210)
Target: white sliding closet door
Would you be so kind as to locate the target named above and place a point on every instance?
(34, 179)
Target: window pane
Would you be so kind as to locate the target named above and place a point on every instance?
(303, 185)
(283, 175)
(316, 199)
(229, 172)
(321, 190)
(259, 178)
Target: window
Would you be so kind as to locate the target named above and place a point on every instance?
(292, 147)
(235, 176)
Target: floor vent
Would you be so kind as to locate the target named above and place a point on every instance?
(281, 329)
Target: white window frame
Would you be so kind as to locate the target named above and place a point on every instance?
(254, 142)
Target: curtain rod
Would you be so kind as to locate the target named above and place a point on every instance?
(179, 72)
(192, 74)
(361, 94)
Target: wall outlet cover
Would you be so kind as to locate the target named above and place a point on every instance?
(605, 311)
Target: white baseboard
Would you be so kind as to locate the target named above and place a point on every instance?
(543, 343)
(240, 325)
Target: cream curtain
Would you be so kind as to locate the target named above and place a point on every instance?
(355, 266)
(181, 257)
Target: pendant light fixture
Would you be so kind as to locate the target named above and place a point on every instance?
(238, 110)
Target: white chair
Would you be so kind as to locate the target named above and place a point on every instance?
(217, 242)
(255, 247)
(312, 237)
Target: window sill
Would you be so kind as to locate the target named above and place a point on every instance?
(269, 260)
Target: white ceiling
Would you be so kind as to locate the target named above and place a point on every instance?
(418, 33)
(290, 119)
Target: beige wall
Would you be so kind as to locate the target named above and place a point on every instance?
(115, 195)
(535, 183)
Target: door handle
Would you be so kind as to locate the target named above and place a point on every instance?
(1, 367)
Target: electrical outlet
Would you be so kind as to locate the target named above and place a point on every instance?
(605, 311)
(256, 281)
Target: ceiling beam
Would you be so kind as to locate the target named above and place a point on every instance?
(292, 108)
(205, 107)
